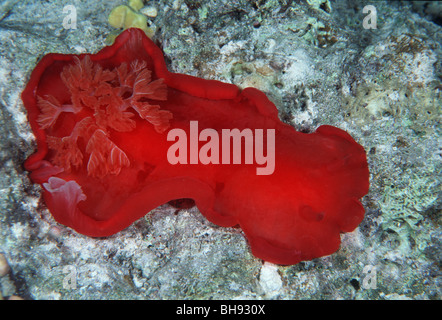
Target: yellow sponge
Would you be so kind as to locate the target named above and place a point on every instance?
(136, 4)
(125, 17)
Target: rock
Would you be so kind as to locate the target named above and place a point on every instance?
(4, 266)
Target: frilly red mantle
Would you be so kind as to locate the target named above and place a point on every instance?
(101, 122)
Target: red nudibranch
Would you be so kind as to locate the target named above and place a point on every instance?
(109, 129)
